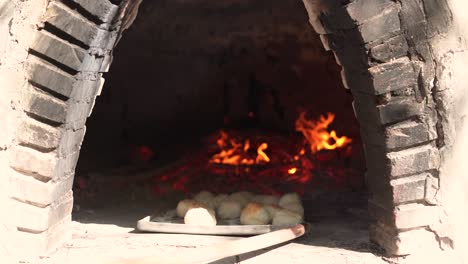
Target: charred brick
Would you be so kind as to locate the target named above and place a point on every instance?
(393, 48)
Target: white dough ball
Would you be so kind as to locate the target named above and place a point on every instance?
(200, 216)
(285, 217)
(289, 198)
(242, 197)
(229, 209)
(266, 199)
(255, 214)
(184, 205)
(273, 209)
(295, 208)
(205, 197)
(219, 199)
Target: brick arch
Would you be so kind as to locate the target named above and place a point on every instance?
(388, 64)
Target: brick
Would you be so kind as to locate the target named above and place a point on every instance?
(46, 106)
(355, 13)
(354, 58)
(70, 22)
(403, 243)
(403, 217)
(41, 244)
(50, 77)
(410, 216)
(391, 49)
(71, 142)
(36, 219)
(25, 188)
(33, 162)
(432, 189)
(46, 166)
(383, 78)
(65, 53)
(399, 110)
(37, 134)
(417, 241)
(79, 111)
(409, 189)
(363, 10)
(103, 9)
(59, 50)
(395, 111)
(380, 26)
(84, 90)
(81, 87)
(408, 133)
(413, 160)
(392, 76)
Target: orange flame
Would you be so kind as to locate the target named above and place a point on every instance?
(233, 152)
(316, 134)
(292, 171)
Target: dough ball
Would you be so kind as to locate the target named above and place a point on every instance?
(273, 209)
(285, 217)
(184, 205)
(289, 198)
(295, 208)
(242, 197)
(219, 199)
(255, 214)
(205, 197)
(229, 209)
(200, 216)
(266, 199)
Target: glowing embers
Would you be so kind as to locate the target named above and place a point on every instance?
(269, 163)
(317, 135)
(235, 151)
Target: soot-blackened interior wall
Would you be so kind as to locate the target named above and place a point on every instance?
(184, 66)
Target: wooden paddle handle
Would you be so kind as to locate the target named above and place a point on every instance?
(220, 251)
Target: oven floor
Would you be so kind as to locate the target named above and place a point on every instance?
(102, 234)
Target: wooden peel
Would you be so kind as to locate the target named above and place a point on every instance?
(220, 251)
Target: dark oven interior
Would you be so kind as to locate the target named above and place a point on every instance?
(222, 96)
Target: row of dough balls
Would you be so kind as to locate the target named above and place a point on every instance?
(251, 209)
